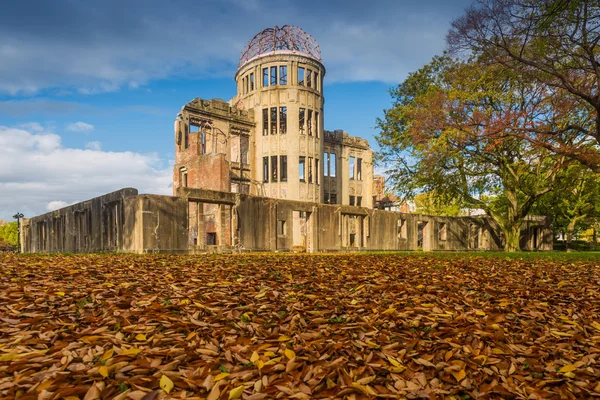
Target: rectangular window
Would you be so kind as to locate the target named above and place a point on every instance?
(308, 78)
(326, 166)
(317, 171)
(252, 81)
(247, 84)
(359, 169)
(265, 121)
(282, 120)
(301, 117)
(281, 227)
(273, 168)
(359, 201)
(351, 166)
(352, 200)
(316, 79)
(301, 164)
(300, 76)
(283, 168)
(265, 169)
(316, 124)
(203, 143)
(310, 170)
(326, 198)
(273, 120)
(333, 198)
(443, 231)
(273, 76)
(332, 165)
(244, 144)
(183, 178)
(309, 122)
(283, 75)
(265, 77)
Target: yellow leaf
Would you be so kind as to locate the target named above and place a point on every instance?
(563, 334)
(389, 311)
(107, 354)
(61, 294)
(255, 357)
(273, 361)
(460, 375)
(397, 369)
(269, 354)
(103, 371)
(419, 286)
(236, 392)
(567, 368)
(371, 344)
(260, 364)
(480, 313)
(366, 389)
(290, 277)
(596, 325)
(130, 352)
(561, 284)
(290, 354)
(393, 361)
(283, 338)
(191, 335)
(427, 305)
(221, 376)
(166, 384)
(185, 301)
(140, 337)
(330, 383)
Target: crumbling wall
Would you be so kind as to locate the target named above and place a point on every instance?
(90, 226)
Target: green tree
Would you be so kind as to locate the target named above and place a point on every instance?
(429, 204)
(449, 131)
(9, 233)
(557, 44)
(574, 203)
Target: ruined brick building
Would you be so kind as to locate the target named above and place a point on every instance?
(259, 172)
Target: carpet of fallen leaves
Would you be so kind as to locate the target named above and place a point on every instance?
(297, 326)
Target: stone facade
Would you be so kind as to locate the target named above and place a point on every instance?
(198, 220)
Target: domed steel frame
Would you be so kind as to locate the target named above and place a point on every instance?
(288, 37)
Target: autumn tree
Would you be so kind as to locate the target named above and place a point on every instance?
(449, 131)
(557, 44)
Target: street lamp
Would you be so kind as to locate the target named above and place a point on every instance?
(18, 217)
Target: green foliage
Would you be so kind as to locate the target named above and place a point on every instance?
(9, 233)
(430, 204)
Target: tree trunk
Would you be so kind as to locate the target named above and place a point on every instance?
(513, 236)
(570, 230)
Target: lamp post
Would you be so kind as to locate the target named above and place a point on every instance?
(18, 217)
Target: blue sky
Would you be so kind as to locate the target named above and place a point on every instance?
(89, 90)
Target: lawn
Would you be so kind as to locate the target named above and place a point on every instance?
(270, 325)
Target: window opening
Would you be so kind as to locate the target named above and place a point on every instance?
(300, 76)
(273, 120)
(283, 168)
(308, 78)
(359, 169)
(265, 77)
(265, 169)
(282, 120)
(252, 81)
(265, 121)
(283, 75)
(301, 164)
(310, 170)
(273, 168)
(309, 122)
(351, 166)
(332, 165)
(273, 76)
(301, 117)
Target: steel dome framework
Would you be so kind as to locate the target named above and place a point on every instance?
(288, 37)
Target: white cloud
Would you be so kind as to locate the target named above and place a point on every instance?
(36, 169)
(96, 146)
(80, 127)
(56, 204)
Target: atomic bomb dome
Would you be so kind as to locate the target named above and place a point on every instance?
(288, 38)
